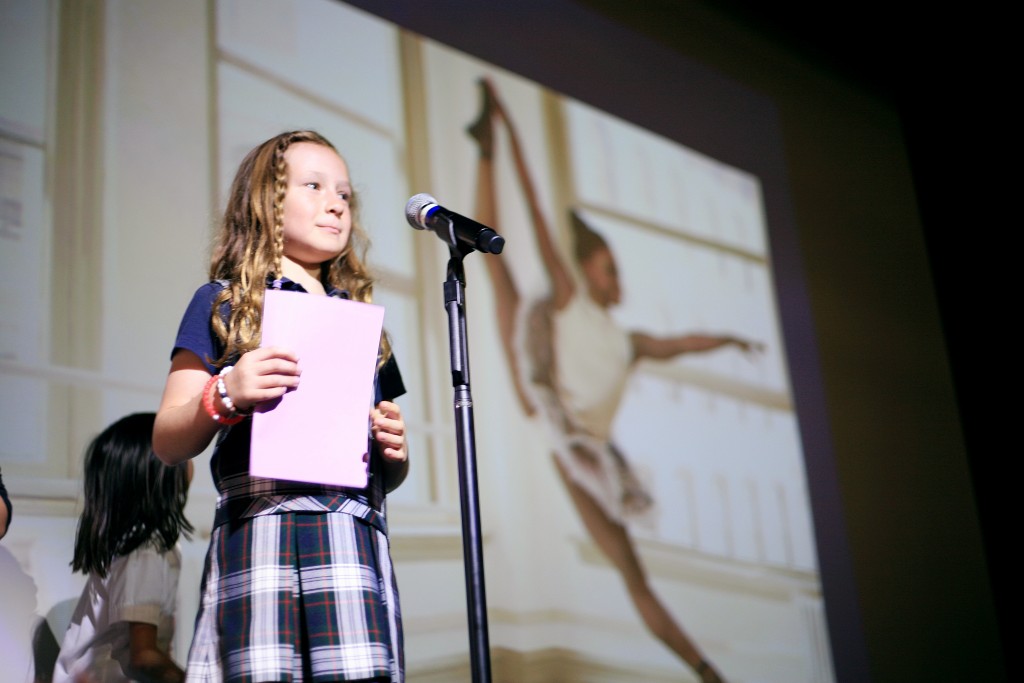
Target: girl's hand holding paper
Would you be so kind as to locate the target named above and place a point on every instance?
(388, 430)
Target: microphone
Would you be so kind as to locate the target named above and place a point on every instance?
(424, 213)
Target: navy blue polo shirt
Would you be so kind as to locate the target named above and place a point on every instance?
(242, 495)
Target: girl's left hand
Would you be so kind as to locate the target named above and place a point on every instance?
(389, 431)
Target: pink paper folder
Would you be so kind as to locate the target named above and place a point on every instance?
(319, 432)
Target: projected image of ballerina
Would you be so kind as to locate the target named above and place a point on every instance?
(570, 362)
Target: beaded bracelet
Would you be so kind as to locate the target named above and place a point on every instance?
(211, 410)
(222, 389)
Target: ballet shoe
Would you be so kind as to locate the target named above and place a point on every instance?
(482, 129)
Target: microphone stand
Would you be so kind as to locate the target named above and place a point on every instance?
(472, 548)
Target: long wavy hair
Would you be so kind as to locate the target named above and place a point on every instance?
(131, 497)
(249, 247)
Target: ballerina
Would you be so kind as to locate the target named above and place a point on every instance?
(577, 391)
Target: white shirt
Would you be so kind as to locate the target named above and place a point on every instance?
(139, 587)
(594, 356)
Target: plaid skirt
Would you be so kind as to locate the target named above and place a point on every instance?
(298, 597)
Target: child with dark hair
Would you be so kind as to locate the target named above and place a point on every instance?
(133, 516)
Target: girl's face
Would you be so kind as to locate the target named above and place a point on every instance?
(317, 220)
(602, 277)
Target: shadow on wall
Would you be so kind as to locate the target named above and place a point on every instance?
(46, 638)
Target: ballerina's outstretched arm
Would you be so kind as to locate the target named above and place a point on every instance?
(664, 348)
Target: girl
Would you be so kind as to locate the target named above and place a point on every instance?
(577, 362)
(298, 582)
(127, 544)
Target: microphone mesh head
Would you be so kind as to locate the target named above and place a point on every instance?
(414, 206)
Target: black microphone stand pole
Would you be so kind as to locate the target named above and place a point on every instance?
(472, 547)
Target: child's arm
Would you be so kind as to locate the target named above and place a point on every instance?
(146, 661)
(389, 434)
(183, 428)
